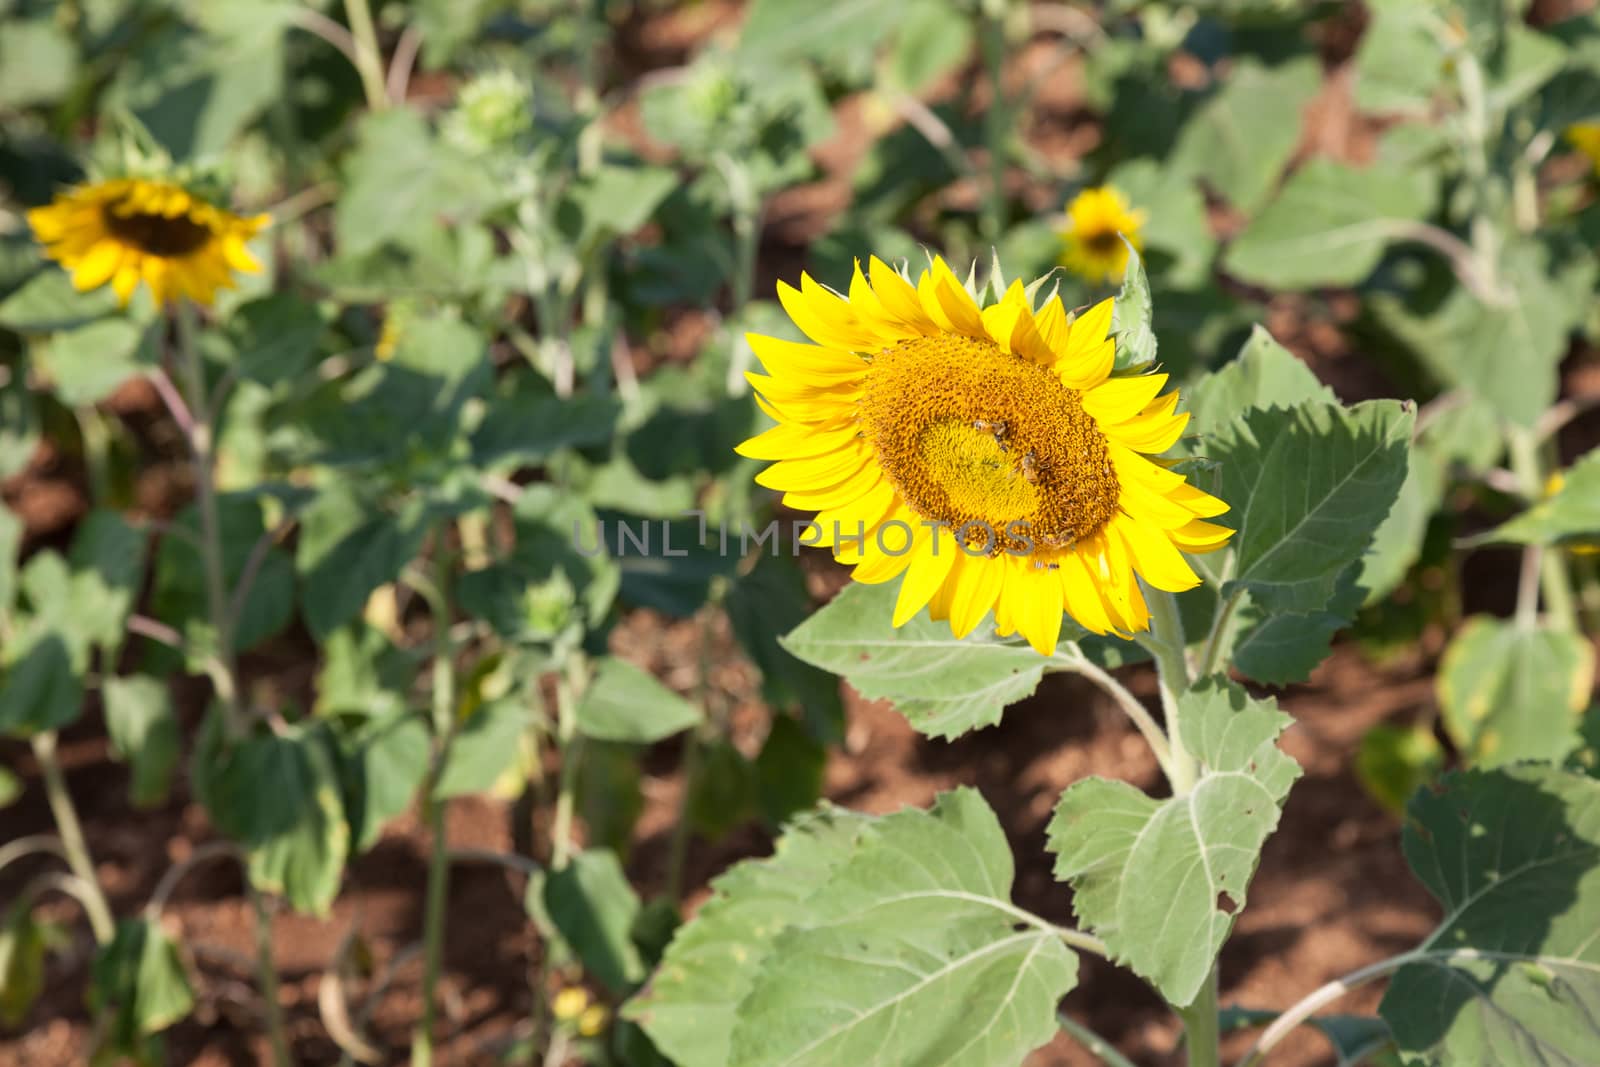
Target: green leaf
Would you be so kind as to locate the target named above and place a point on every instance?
(1509, 693)
(788, 772)
(870, 969)
(594, 908)
(41, 688)
(723, 794)
(1162, 881)
(1329, 225)
(23, 946)
(1463, 342)
(107, 561)
(363, 673)
(1393, 762)
(1400, 62)
(764, 604)
(841, 36)
(483, 747)
(381, 771)
(932, 39)
(1512, 973)
(625, 703)
(346, 552)
(1264, 375)
(275, 338)
(19, 425)
(1307, 487)
(1572, 513)
(688, 1006)
(526, 428)
(610, 798)
(1241, 138)
(139, 977)
(179, 594)
(88, 363)
(1283, 648)
(144, 732)
(278, 795)
(943, 686)
(38, 62)
(1177, 236)
(48, 302)
(1131, 316)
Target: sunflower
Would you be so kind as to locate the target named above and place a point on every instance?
(127, 229)
(1097, 221)
(985, 453)
(1585, 137)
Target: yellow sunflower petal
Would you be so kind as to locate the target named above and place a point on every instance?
(931, 557)
(1038, 613)
(1154, 556)
(805, 363)
(1122, 398)
(899, 297)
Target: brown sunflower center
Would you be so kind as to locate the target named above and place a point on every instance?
(156, 235)
(992, 444)
(1102, 242)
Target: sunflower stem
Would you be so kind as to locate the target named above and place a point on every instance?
(72, 840)
(436, 593)
(368, 59)
(221, 666)
(267, 977)
(568, 687)
(997, 119)
(1168, 646)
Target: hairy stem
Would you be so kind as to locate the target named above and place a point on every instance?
(1539, 566)
(72, 841)
(1131, 706)
(267, 978)
(197, 426)
(1320, 998)
(571, 745)
(368, 60)
(436, 592)
(1168, 645)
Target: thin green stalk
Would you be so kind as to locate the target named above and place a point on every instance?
(1549, 567)
(267, 978)
(997, 119)
(568, 688)
(1168, 644)
(368, 59)
(221, 666)
(96, 453)
(72, 840)
(436, 592)
(1097, 1045)
(747, 210)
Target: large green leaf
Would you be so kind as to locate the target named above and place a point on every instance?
(688, 1006)
(1512, 974)
(1329, 225)
(1572, 513)
(1505, 355)
(345, 552)
(1162, 881)
(380, 770)
(1308, 486)
(1263, 375)
(38, 61)
(626, 703)
(942, 685)
(1240, 139)
(1509, 692)
(144, 731)
(139, 979)
(279, 795)
(1400, 62)
(1177, 237)
(481, 750)
(89, 363)
(593, 906)
(911, 952)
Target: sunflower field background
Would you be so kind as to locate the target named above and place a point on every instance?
(424, 632)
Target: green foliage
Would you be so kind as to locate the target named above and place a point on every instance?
(594, 909)
(1513, 857)
(1195, 854)
(624, 703)
(1511, 692)
(140, 981)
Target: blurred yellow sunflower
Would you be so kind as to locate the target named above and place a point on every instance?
(126, 230)
(985, 453)
(1585, 137)
(1097, 221)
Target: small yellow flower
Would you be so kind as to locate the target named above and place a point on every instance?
(1097, 221)
(1585, 137)
(395, 320)
(1023, 478)
(128, 230)
(593, 1020)
(570, 1003)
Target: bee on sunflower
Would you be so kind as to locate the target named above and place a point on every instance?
(985, 453)
(1092, 244)
(122, 231)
